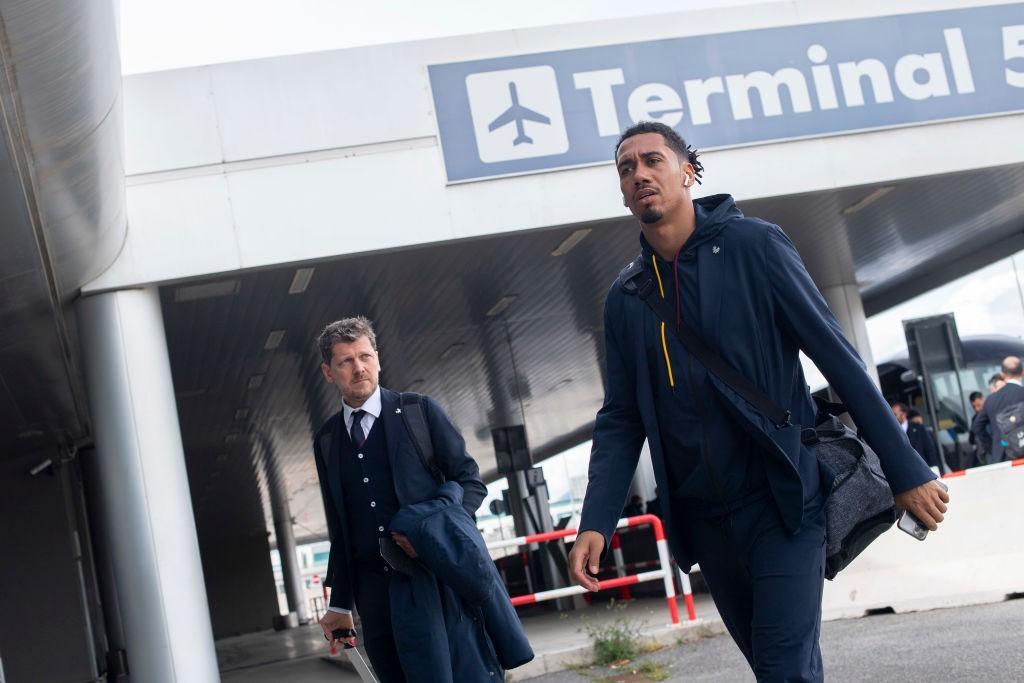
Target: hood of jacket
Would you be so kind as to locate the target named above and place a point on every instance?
(712, 213)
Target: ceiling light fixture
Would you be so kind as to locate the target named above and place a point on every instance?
(207, 290)
(273, 340)
(571, 241)
(300, 281)
(868, 199)
(499, 307)
(256, 380)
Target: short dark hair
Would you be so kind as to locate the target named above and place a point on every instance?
(673, 139)
(346, 330)
(998, 377)
(975, 395)
(899, 404)
(911, 414)
(1012, 366)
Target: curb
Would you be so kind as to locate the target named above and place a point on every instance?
(666, 636)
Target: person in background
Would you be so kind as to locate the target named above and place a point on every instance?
(920, 438)
(977, 457)
(1003, 410)
(996, 382)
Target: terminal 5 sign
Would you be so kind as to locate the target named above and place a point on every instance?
(536, 112)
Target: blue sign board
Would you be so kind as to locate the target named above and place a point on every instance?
(536, 112)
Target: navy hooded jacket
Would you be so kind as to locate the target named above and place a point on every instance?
(758, 307)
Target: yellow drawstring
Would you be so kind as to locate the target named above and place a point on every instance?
(664, 344)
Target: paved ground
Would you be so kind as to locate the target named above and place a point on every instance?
(300, 654)
(979, 643)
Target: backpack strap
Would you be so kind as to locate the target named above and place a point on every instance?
(637, 280)
(415, 419)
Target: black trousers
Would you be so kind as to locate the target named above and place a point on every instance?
(767, 585)
(374, 606)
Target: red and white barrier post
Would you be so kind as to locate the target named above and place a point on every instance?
(620, 566)
(664, 572)
(684, 585)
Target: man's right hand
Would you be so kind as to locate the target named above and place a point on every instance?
(585, 559)
(332, 621)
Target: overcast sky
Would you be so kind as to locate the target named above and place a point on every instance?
(160, 34)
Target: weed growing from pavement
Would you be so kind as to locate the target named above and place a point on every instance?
(617, 641)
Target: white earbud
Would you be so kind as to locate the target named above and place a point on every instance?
(687, 180)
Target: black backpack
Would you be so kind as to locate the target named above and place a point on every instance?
(1010, 422)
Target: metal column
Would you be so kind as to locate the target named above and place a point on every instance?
(145, 493)
(285, 535)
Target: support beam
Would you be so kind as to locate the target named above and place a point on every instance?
(847, 306)
(284, 532)
(145, 494)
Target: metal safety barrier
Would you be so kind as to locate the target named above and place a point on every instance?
(664, 572)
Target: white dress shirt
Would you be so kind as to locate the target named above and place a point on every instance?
(371, 411)
(1013, 380)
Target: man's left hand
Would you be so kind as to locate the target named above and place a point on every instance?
(927, 502)
(404, 543)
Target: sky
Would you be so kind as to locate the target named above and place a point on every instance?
(159, 34)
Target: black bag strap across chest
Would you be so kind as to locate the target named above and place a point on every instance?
(636, 279)
(415, 419)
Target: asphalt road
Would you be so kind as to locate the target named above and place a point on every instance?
(981, 643)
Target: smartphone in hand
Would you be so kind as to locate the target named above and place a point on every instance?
(912, 525)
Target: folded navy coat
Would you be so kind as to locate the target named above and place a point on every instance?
(450, 546)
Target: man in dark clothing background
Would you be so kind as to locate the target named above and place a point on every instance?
(739, 495)
(1006, 403)
(978, 456)
(920, 438)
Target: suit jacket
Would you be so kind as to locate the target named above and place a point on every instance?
(924, 443)
(413, 483)
(758, 309)
(985, 430)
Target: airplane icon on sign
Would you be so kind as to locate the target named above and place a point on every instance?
(517, 113)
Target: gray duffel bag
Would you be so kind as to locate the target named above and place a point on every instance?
(860, 506)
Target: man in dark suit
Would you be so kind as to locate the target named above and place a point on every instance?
(370, 469)
(740, 493)
(920, 438)
(1008, 401)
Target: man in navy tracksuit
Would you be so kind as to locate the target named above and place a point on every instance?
(743, 497)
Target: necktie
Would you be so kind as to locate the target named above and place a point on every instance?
(358, 438)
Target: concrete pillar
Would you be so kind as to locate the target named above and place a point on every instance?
(284, 532)
(145, 495)
(847, 306)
